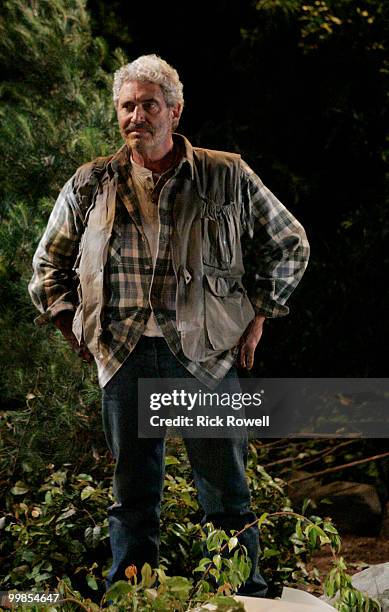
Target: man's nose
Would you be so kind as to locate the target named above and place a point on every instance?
(138, 113)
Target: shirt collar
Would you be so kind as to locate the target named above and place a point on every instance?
(122, 157)
(187, 149)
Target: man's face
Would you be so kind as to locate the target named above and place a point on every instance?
(146, 123)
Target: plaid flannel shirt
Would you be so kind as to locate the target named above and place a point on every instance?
(279, 242)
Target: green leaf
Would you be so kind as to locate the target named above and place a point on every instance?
(92, 536)
(299, 531)
(147, 575)
(58, 557)
(117, 590)
(313, 537)
(91, 580)
(202, 565)
(170, 460)
(42, 577)
(28, 555)
(329, 527)
(87, 492)
(161, 575)
(329, 588)
(20, 488)
(232, 542)
(262, 518)
(179, 585)
(20, 570)
(66, 514)
(270, 552)
(86, 477)
(229, 604)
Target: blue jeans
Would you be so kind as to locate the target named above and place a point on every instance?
(218, 467)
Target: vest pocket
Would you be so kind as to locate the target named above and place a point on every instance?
(228, 311)
(218, 233)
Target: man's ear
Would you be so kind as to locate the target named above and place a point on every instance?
(176, 114)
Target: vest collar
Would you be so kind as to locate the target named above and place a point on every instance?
(122, 157)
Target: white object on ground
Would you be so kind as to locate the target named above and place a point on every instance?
(375, 582)
(292, 600)
(301, 597)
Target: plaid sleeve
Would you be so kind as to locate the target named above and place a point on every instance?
(275, 241)
(52, 287)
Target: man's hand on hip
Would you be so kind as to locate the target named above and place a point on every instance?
(248, 342)
(63, 321)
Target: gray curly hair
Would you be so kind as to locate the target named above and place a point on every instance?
(154, 69)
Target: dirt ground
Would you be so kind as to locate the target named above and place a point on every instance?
(358, 553)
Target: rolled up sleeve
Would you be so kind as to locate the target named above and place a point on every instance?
(275, 246)
(52, 287)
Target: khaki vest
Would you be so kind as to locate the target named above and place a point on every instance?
(212, 308)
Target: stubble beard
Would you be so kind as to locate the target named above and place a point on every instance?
(137, 143)
(145, 145)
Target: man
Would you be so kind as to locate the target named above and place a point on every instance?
(141, 266)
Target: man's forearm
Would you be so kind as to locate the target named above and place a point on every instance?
(259, 320)
(64, 321)
(249, 341)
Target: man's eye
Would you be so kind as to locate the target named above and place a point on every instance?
(151, 107)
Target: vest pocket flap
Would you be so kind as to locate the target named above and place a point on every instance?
(228, 311)
(221, 286)
(212, 209)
